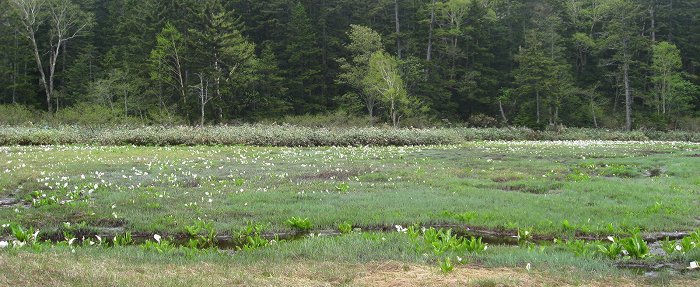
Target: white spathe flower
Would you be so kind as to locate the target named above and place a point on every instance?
(4, 244)
(694, 265)
(400, 229)
(612, 239)
(157, 238)
(528, 267)
(70, 242)
(679, 248)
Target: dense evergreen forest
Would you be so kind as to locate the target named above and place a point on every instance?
(537, 63)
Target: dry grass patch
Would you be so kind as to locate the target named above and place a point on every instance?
(65, 269)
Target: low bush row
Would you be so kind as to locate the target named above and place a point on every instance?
(294, 136)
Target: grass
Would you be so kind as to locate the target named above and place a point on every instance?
(502, 185)
(351, 260)
(552, 189)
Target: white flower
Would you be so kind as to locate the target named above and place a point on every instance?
(99, 239)
(528, 267)
(157, 238)
(612, 239)
(4, 244)
(694, 265)
(400, 228)
(679, 248)
(70, 242)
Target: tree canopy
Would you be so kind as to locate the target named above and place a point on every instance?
(536, 63)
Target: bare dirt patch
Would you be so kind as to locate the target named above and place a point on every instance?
(5, 202)
(548, 189)
(398, 274)
(338, 174)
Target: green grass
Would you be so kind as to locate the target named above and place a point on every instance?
(549, 188)
(316, 257)
(501, 185)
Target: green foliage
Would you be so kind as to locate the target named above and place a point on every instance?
(441, 241)
(364, 42)
(611, 250)
(343, 187)
(635, 246)
(250, 237)
(123, 239)
(201, 234)
(17, 115)
(524, 235)
(345, 227)
(565, 62)
(442, 244)
(24, 236)
(254, 241)
(446, 265)
(300, 224)
(158, 245)
(669, 246)
(581, 248)
(384, 81)
(465, 217)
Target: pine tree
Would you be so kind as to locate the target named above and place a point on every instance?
(303, 70)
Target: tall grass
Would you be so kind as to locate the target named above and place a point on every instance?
(287, 135)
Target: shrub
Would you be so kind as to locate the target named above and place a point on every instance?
(483, 121)
(16, 115)
(295, 136)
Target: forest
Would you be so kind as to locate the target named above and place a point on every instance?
(617, 64)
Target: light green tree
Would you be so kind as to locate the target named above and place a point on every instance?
(166, 60)
(384, 80)
(666, 65)
(364, 42)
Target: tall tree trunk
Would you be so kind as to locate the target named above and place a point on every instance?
(595, 119)
(393, 114)
(503, 113)
(670, 21)
(429, 53)
(664, 92)
(628, 93)
(538, 106)
(126, 105)
(652, 13)
(398, 28)
(40, 67)
(324, 52)
(15, 69)
(430, 33)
